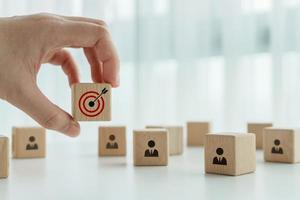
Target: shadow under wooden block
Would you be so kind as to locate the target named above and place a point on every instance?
(28, 142)
(112, 141)
(281, 145)
(196, 132)
(258, 129)
(150, 147)
(4, 162)
(175, 137)
(91, 101)
(230, 153)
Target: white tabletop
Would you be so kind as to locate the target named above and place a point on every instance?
(72, 170)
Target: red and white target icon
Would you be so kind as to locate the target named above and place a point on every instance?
(91, 103)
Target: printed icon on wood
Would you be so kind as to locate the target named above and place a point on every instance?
(150, 147)
(112, 144)
(112, 141)
(91, 102)
(277, 149)
(230, 153)
(151, 152)
(219, 160)
(32, 145)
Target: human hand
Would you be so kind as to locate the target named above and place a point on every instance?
(29, 41)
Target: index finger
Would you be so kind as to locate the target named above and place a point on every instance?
(86, 34)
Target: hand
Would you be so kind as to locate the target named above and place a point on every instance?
(29, 41)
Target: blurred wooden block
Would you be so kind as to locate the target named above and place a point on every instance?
(112, 141)
(150, 147)
(91, 102)
(196, 132)
(281, 145)
(28, 142)
(175, 138)
(4, 157)
(230, 153)
(258, 129)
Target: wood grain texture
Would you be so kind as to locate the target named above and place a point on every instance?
(83, 94)
(150, 147)
(112, 141)
(4, 161)
(175, 137)
(28, 142)
(196, 132)
(281, 145)
(230, 153)
(258, 129)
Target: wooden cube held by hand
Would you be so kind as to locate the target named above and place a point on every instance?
(91, 101)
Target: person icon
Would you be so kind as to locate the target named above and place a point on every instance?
(220, 160)
(277, 149)
(112, 144)
(151, 152)
(32, 145)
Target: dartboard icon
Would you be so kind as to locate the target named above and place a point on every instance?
(91, 103)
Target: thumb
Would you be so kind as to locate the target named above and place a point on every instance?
(37, 105)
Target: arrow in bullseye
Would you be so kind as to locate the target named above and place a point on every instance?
(92, 103)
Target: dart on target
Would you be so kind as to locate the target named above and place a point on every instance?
(91, 102)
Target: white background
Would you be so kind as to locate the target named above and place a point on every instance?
(229, 62)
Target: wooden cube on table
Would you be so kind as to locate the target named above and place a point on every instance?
(230, 153)
(4, 157)
(150, 147)
(112, 141)
(175, 137)
(28, 142)
(91, 101)
(281, 145)
(258, 129)
(196, 132)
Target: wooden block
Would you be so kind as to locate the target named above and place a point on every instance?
(281, 145)
(257, 129)
(91, 102)
(196, 132)
(28, 142)
(112, 141)
(175, 138)
(230, 153)
(150, 147)
(3, 157)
